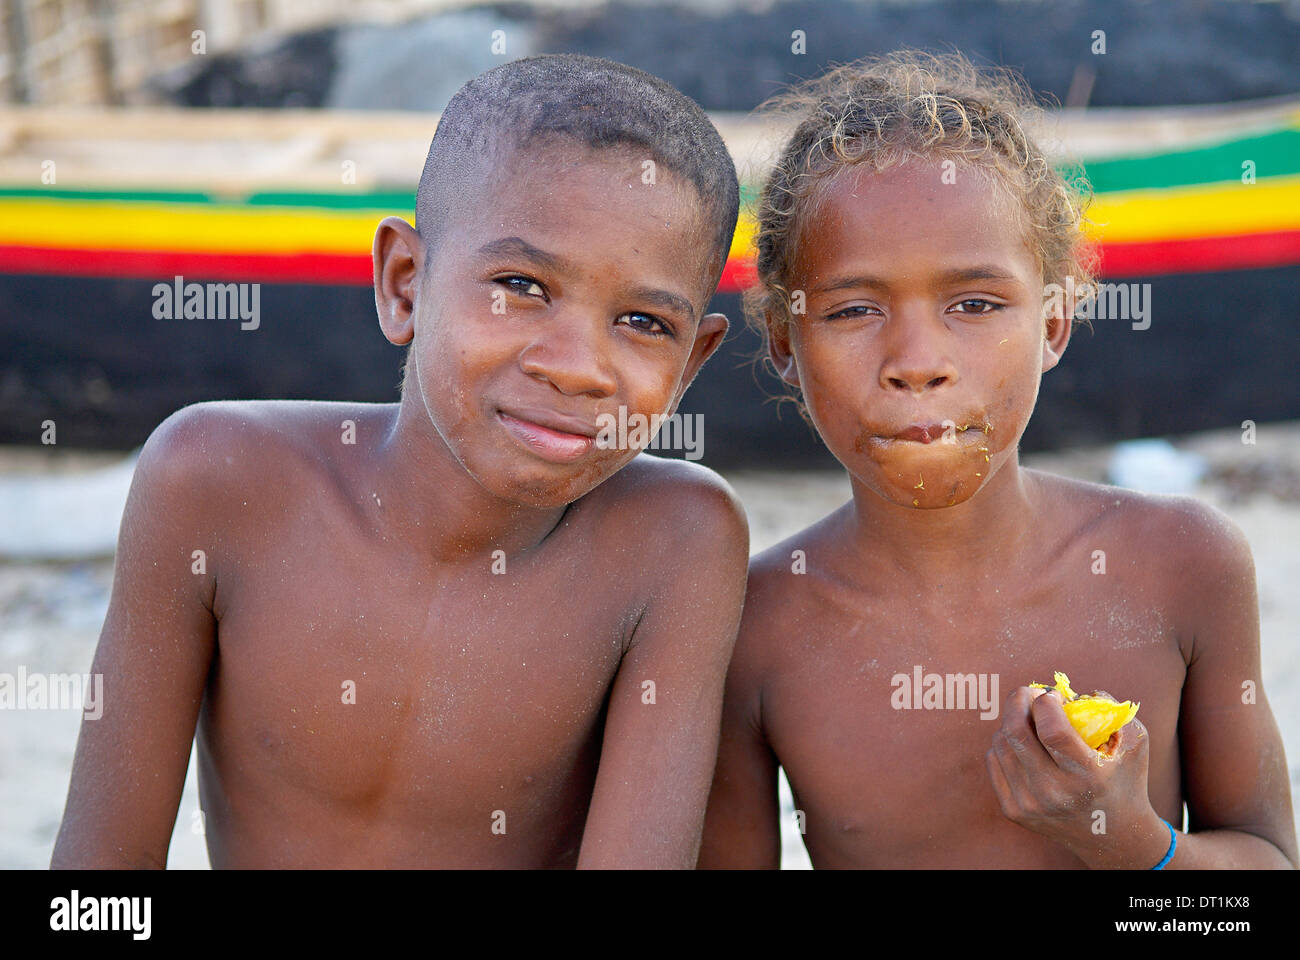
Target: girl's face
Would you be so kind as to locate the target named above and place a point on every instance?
(923, 342)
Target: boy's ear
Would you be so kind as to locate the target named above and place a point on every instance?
(1058, 322)
(708, 337)
(778, 349)
(398, 254)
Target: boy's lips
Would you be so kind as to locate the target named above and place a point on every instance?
(552, 436)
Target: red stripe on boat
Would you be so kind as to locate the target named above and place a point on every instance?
(1198, 254)
(162, 265)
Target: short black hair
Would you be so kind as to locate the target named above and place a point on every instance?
(597, 102)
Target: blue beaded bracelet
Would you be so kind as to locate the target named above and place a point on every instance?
(1173, 845)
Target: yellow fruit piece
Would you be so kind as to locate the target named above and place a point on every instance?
(1094, 717)
(1062, 686)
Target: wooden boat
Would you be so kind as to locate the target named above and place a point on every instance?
(98, 207)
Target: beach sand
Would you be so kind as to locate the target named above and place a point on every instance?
(51, 613)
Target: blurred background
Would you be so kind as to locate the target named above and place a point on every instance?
(260, 141)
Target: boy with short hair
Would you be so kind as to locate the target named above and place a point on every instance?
(476, 636)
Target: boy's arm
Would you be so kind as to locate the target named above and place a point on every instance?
(742, 826)
(154, 653)
(661, 728)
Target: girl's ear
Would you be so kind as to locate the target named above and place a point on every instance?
(1058, 322)
(778, 349)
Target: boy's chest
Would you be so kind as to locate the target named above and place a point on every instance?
(883, 724)
(358, 681)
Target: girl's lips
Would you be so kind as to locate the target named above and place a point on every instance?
(549, 444)
(921, 434)
(949, 430)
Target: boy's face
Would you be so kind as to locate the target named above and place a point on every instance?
(566, 288)
(924, 340)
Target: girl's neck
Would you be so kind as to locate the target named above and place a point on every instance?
(985, 532)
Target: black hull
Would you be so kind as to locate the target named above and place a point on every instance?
(88, 354)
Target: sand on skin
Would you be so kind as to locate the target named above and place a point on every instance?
(51, 613)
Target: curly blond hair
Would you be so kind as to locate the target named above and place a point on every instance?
(908, 104)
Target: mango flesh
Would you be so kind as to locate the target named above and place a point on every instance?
(1094, 717)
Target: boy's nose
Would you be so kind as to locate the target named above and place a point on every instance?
(917, 359)
(568, 360)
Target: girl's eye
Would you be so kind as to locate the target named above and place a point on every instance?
(523, 285)
(645, 323)
(857, 310)
(975, 305)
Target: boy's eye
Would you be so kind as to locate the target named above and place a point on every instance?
(645, 323)
(975, 305)
(523, 285)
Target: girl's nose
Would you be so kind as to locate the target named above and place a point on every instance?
(918, 357)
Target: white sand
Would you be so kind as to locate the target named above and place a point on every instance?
(50, 615)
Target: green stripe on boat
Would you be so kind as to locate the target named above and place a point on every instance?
(1275, 154)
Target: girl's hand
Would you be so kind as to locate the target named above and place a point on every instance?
(1093, 802)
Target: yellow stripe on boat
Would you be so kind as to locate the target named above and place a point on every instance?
(1213, 210)
(1270, 205)
(170, 226)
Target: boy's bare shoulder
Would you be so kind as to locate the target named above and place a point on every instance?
(214, 455)
(656, 502)
(224, 432)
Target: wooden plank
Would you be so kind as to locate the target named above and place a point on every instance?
(242, 150)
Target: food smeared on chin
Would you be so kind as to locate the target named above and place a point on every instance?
(1093, 716)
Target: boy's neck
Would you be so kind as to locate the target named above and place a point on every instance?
(436, 504)
(943, 546)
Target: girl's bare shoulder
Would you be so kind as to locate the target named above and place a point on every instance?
(1179, 537)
